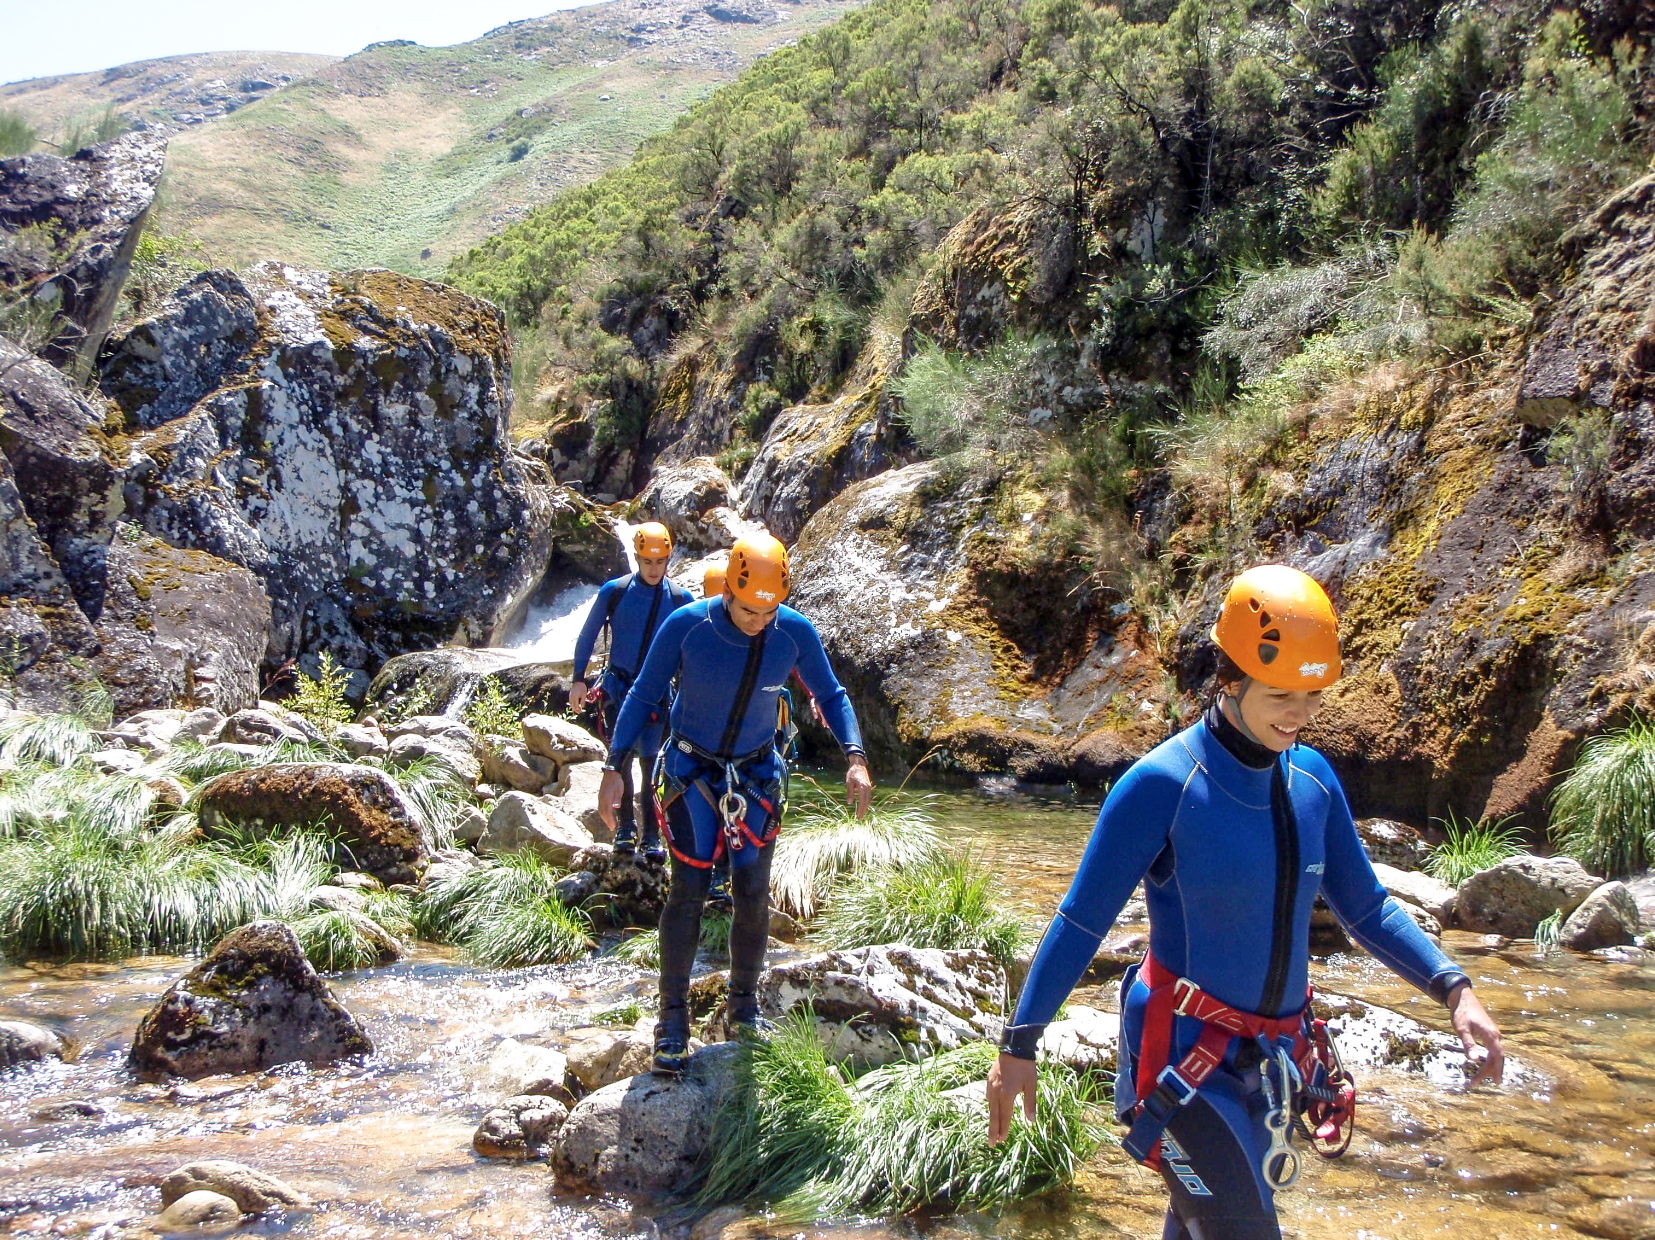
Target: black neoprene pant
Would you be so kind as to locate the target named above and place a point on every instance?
(1211, 1167)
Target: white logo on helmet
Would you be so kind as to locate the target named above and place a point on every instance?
(1318, 670)
(766, 595)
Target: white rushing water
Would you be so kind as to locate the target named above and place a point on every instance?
(549, 630)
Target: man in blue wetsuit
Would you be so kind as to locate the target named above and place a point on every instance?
(1235, 829)
(721, 777)
(634, 607)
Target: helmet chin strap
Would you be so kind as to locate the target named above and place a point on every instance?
(1234, 699)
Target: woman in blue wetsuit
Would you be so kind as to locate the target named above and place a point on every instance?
(634, 607)
(721, 774)
(1234, 828)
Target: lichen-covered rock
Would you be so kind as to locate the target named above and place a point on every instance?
(1606, 918)
(68, 229)
(876, 1005)
(23, 1044)
(252, 1003)
(632, 890)
(520, 821)
(1517, 894)
(435, 682)
(949, 627)
(357, 462)
(520, 1128)
(644, 1136)
(158, 368)
(254, 1192)
(692, 499)
(361, 805)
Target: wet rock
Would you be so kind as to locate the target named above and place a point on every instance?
(68, 229)
(561, 741)
(252, 1003)
(1395, 844)
(361, 742)
(613, 1055)
(1606, 918)
(520, 1127)
(1519, 893)
(158, 368)
(23, 1045)
(511, 765)
(67, 1112)
(1623, 1218)
(646, 1135)
(357, 461)
(362, 806)
(523, 1068)
(879, 1004)
(630, 891)
(254, 1192)
(1418, 889)
(520, 821)
(255, 726)
(462, 760)
(200, 1211)
(1116, 955)
(1084, 1039)
(578, 785)
(432, 681)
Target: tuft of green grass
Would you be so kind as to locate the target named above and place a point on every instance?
(945, 902)
(824, 843)
(17, 136)
(1548, 932)
(506, 914)
(644, 949)
(797, 1133)
(54, 739)
(1603, 813)
(338, 940)
(1470, 847)
(622, 1014)
(438, 795)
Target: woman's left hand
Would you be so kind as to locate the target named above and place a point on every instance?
(1475, 1026)
(858, 785)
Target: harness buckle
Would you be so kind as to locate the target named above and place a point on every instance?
(1186, 991)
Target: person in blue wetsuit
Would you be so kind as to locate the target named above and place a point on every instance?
(1234, 828)
(634, 607)
(720, 774)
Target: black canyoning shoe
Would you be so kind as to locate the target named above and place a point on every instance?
(672, 1042)
(626, 839)
(718, 895)
(654, 852)
(742, 1021)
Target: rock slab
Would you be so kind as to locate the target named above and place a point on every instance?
(1519, 893)
(22, 1045)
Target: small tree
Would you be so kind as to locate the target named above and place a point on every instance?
(322, 700)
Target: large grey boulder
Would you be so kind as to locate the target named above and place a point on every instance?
(875, 1005)
(23, 1044)
(68, 230)
(644, 1136)
(357, 461)
(1519, 893)
(254, 1192)
(608, 1056)
(1418, 889)
(692, 499)
(361, 805)
(1606, 918)
(577, 796)
(252, 1003)
(520, 821)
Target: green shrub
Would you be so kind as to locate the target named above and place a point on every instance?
(797, 1135)
(626, 1014)
(17, 136)
(945, 902)
(1471, 847)
(490, 712)
(824, 842)
(321, 700)
(1603, 812)
(989, 403)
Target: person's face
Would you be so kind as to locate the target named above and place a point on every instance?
(750, 620)
(1275, 716)
(652, 568)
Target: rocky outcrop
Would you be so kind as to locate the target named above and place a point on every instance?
(644, 1136)
(876, 1005)
(1606, 918)
(813, 451)
(952, 625)
(252, 1003)
(360, 805)
(354, 457)
(692, 499)
(68, 229)
(1519, 893)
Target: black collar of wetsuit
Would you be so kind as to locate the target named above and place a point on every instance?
(1243, 748)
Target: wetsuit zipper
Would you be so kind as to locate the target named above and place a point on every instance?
(1287, 883)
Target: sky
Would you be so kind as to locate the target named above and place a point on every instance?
(79, 36)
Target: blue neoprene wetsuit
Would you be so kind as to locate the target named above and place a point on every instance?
(634, 613)
(1232, 856)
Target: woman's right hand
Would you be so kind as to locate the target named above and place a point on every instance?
(1007, 1079)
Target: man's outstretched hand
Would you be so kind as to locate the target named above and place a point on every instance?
(858, 786)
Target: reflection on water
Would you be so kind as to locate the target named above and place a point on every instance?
(384, 1146)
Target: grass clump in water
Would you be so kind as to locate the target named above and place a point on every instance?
(824, 843)
(799, 1134)
(506, 914)
(1603, 813)
(1470, 847)
(1549, 932)
(944, 902)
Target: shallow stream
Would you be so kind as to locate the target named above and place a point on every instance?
(385, 1146)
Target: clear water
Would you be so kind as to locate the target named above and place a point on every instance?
(384, 1146)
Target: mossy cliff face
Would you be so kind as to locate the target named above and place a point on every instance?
(952, 626)
(353, 454)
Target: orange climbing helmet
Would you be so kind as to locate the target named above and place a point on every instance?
(652, 539)
(758, 574)
(712, 582)
(1280, 628)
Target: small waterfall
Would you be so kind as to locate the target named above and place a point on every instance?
(549, 630)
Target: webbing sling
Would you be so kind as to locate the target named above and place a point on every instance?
(649, 625)
(744, 696)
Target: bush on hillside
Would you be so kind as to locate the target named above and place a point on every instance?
(17, 136)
